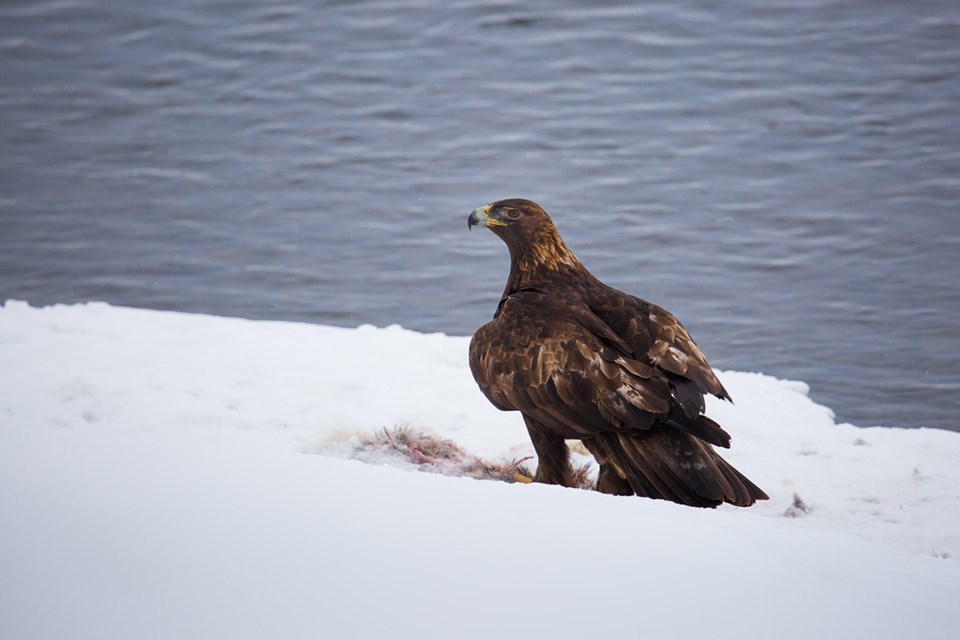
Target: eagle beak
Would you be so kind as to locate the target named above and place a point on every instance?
(481, 216)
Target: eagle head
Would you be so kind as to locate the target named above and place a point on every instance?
(528, 232)
(511, 217)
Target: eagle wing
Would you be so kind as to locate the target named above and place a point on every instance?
(561, 364)
(657, 338)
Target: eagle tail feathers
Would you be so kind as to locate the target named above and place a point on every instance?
(671, 465)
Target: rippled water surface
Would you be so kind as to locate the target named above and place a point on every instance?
(783, 175)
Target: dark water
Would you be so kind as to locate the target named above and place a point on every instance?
(784, 175)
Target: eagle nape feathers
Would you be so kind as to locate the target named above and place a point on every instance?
(581, 360)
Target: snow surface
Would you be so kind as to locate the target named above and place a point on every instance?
(165, 475)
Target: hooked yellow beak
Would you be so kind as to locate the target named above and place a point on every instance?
(481, 215)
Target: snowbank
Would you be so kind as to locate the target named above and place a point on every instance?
(169, 475)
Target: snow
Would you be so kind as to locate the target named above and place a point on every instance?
(165, 475)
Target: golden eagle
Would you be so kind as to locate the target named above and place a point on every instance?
(582, 360)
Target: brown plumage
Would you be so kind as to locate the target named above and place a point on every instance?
(580, 359)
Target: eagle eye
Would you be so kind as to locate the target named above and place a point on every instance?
(513, 214)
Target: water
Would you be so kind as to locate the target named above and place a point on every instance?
(784, 176)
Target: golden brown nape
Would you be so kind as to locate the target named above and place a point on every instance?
(579, 359)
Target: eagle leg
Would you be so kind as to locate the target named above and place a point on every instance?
(610, 481)
(553, 456)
